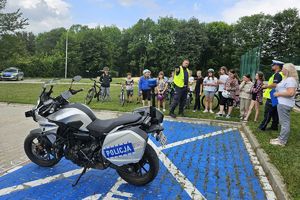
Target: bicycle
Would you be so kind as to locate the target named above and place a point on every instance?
(122, 95)
(297, 98)
(171, 92)
(216, 101)
(189, 99)
(93, 93)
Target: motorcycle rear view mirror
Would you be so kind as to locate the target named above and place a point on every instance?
(76, 78)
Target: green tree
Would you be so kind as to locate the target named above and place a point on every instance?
(141, 36)
(10, 22)
(220, 47)
(190, 42)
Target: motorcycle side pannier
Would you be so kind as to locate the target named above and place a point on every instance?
(125, 146)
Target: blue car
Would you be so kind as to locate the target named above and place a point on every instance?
(12, 73)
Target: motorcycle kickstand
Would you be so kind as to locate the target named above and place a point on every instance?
(83, 172)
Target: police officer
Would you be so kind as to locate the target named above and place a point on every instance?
(271, 111)
(181, 79)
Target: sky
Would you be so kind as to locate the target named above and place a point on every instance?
(45, 15)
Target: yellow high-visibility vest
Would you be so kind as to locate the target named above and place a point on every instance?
(267, 94)
(179, 79)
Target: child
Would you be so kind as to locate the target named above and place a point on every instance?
(105, 80)
(222, 80)
(198, 90)
(191, 81)
(210, 86)
(245, 95)
(144, 88)
(161, 88)
(256, 96)
(231, 86)
(129, 83)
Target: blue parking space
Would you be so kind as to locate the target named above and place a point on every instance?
(213, 159)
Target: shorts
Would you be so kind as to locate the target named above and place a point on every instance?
(146, 94)
(129, 93)
(254, 97)
(222, 99)
(209, 93)
(229, 101)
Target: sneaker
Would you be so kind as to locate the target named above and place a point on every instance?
(212, 112)
(164, 110)
(219, 115)
(227, 116)
(276, 142)
(205, 111)
(194, 110)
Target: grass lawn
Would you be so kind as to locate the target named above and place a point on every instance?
(287, 159)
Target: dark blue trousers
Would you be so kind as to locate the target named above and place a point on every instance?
(179, 98)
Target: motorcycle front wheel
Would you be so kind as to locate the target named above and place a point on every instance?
(39, 151)
(144, 171)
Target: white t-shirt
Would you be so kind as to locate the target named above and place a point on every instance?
(289, 82)
(191, 83)
(223, 78)
(209, 81)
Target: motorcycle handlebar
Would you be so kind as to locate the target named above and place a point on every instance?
(73, 92)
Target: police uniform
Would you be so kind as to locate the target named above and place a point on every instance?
(181, 89)
(271, 111)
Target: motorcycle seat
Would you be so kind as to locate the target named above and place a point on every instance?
(98, 127)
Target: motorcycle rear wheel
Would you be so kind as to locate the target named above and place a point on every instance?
(38, 152)
(133, 173)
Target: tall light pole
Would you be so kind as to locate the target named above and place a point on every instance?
(66, 59)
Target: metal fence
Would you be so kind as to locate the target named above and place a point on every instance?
(250, 62)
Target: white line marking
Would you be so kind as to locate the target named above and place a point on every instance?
(11, 170)
(192, 191)
(114, 191)
(93, 197)
(270, 195)
(195, 138)
(38, 182)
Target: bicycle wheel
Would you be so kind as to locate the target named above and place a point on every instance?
(122, 99)
(216, 102)
(89, 96)
(297, 99)
(101, 96)
(188, 102)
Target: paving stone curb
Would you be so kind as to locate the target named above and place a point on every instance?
(274, 176)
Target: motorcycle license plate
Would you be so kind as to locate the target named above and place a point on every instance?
(162, 138)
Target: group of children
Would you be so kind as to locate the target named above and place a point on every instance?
(228, 87)
(233, 91)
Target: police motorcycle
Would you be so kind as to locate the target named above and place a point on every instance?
(72, 130)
